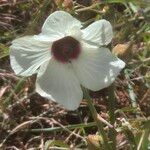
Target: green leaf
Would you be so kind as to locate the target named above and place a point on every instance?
(69, 127)
(4, 51)
(130, 89)
(131, 138)
(144, 142)
(135, 8)
(17, 88)
(59, 143)
(146, 124)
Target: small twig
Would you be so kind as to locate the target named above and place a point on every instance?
(141, 139)
(3, 90)
(129, 20)
(58, 148)
(145, 96)
(89, 8)
(9, 75)
(10, 4)
(5, 24)
(137, 78)
(13, 148)
(56, 122)
(140, 61)
(42, 142)
(122, 144)
(104, 121)
(16, 129)
(31, 140)
(21, 100)
(68, 138)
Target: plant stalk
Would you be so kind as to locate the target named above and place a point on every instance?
(98, 122)
(111, 105)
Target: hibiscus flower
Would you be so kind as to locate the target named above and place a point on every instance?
(65, 56)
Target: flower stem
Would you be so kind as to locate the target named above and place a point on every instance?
(98, 122)
(111, 105)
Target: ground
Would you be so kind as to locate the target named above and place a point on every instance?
(28, 121)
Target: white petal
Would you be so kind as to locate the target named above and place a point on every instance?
(97, 68)
(27, 54)
(75, 32)
(58, 23)
(46, 38)
(99, 32)
(59, 84)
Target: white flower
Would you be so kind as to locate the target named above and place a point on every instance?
(64, 56)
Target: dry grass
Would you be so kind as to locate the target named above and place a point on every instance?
(28, 121)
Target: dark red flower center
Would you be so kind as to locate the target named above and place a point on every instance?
(66, 49)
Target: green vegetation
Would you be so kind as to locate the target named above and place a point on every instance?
(123, 109)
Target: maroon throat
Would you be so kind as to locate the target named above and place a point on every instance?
(66, 49)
